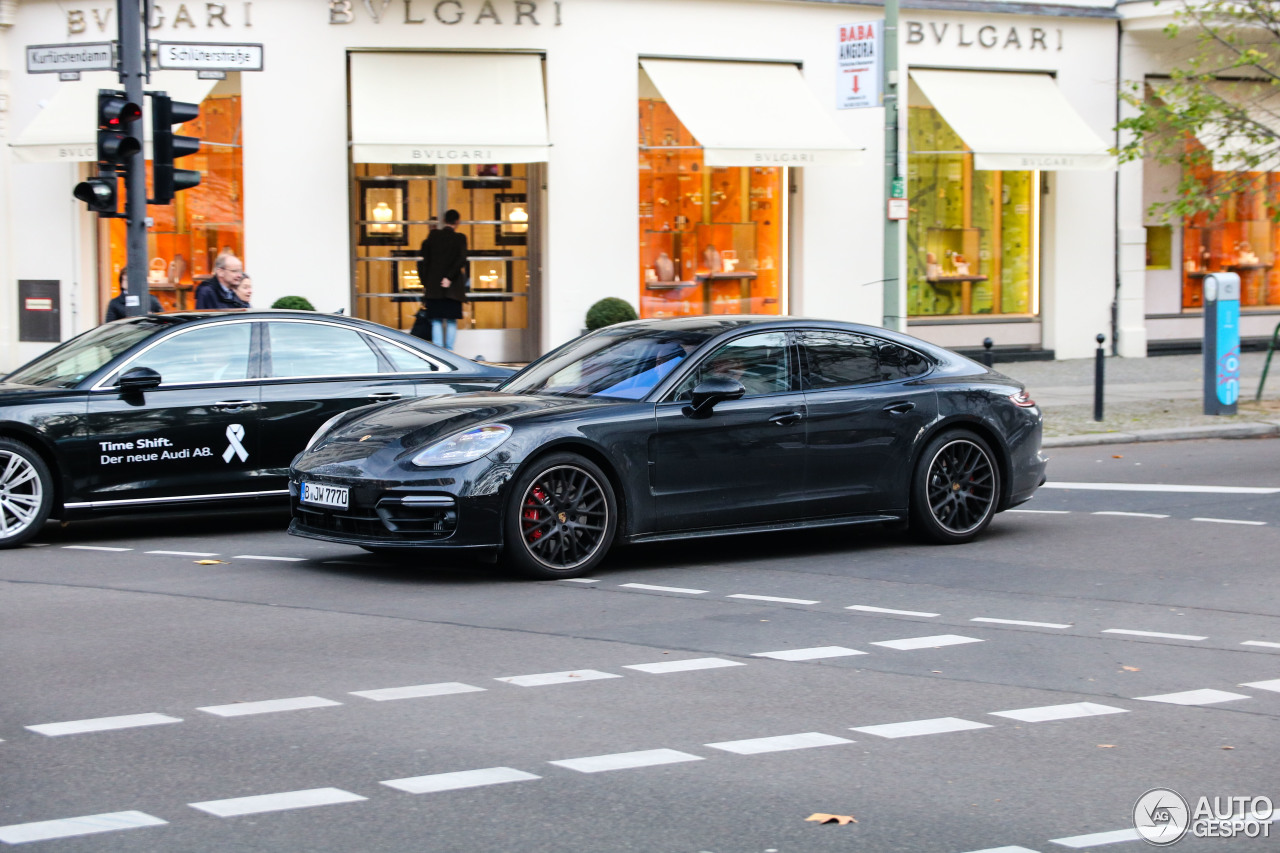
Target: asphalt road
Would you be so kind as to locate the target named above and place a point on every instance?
(1020, 692)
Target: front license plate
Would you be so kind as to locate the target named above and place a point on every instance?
(332, 496)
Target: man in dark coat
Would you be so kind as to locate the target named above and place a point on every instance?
(443, 273)
(217, 293)
(117, 310)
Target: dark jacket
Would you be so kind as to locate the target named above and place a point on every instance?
(444, 255)
(116, 308)
(210, 295)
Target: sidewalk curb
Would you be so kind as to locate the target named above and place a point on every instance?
(1249, 430)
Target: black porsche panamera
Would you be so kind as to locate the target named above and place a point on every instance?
(668, 429)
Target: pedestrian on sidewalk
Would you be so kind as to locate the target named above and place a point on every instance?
(443, 273)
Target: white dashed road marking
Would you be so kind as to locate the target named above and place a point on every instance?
(683, 665)
(93, 548)
(942, 725)
(1156, 634)
(276, 559)
(1272, 685)
(866, 609)
(268, 706)
(1231, 521)
(1059, 712)
(1261, 643)
(579, 580)
(663, 588)
(1019, 622)
(773, 598)
(543, 678)
(809, 654)
(1194, 697)
(182, 553)
(20, 833)
(103, 724)
(1158, 487)
(781, 743)
(278, 802)
(912, 643)
(626, 760)
(1097, 839)
(462, 779)
(417, 691)
(1133, 514)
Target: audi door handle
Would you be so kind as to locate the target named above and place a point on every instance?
(233, 404)
(786, 418)
(384, 395)
(900, 408)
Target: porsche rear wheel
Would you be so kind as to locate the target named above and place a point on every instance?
(26, 493)
(956, 488)
(560, 519)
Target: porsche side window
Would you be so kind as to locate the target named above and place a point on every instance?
(839, 359)
(898, 362)
(205, 354)
(316, 349)
(762, 363)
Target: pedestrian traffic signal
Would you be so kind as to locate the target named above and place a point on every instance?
(116, 148)
(166, 146)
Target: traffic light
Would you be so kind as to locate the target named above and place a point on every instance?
(166, 146)
(116, 147)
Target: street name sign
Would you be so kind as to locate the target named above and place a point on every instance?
(196, 56)
(61, 58)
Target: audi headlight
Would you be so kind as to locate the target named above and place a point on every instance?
(463, 447)
(324, 427)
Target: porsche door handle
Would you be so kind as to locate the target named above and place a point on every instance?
(233, 404)
(787, 418)
(382, 396)
(900, 408)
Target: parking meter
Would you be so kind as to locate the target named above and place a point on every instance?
(1221, 343)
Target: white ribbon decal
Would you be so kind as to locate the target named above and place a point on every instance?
(235, 432)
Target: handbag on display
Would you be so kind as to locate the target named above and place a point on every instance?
(421, 325)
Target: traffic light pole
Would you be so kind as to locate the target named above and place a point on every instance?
(132, 69)
(893, 313)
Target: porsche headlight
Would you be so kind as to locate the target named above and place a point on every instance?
(463, 447)
(324, 427)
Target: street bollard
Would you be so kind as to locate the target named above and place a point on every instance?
(987, 358)
(1099, 363)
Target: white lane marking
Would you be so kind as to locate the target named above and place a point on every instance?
(276, 559)
(1098, 838)
(544, 678)
(1232, 521)
(1161, 487)
(102, 724)
(417, 691)
(1019, 622)
(1133, 514)
(912, 643)
(781, 743)
(626, 760)
(93, 548)
(773, 598)
(663, 588)
(183, 553)
(277, 802)
(1042, 511)
(579, 580)
(683, 665)
(1272, 685)
(942, 725)
(268, 706)
(1261, 643)
(809, 654)
(1059, 712)
(43, 830)
(1156, 634)
(868, 609)
(462, 779)
(1194, 697)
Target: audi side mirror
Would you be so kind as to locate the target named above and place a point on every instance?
(709, 392)
(138, 379)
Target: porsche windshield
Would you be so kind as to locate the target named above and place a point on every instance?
(67, 365)
(625, 363)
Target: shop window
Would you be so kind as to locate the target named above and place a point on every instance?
(399, 204)
(187, 235)
(710, 238)
(972, 235)
(1241, 237)
(1159, 247)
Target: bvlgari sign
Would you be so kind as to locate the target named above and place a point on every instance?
(447, 12)
(982, 36)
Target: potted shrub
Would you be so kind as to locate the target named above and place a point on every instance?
(294, 303)
(608, 311)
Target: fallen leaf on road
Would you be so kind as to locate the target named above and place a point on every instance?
(1132, 669)
(209, 562)
(841, 819)
(1228, 747)
(1106, 746)
(1115, 456)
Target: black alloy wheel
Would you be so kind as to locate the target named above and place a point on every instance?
(26, 493)
(561, 518)
(956, 488)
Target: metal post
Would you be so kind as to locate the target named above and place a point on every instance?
(1100, 361)
(1271, 348)
(893, 313)
(138, 296)
(987, 357)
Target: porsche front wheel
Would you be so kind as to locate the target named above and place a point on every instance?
(560, 519)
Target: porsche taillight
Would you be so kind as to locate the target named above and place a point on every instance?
(1022, 399)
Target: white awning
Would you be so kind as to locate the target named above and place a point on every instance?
(66, 130)
(1014, 121)
(448, 108)
(751, 113)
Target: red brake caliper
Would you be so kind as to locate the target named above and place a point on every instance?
(533, 511)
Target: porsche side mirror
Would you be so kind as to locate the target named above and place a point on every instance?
(138, 379)
(709, 392)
